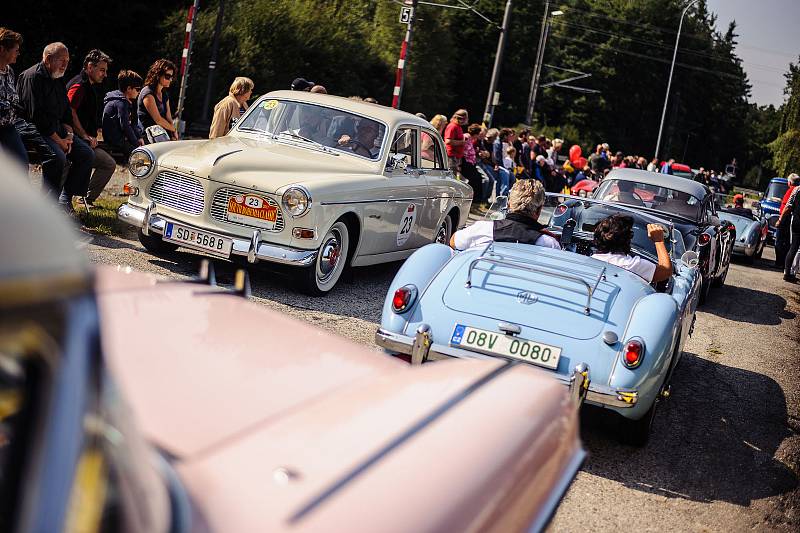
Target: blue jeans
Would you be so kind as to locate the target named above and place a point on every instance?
(12, 143)
(82, 157)
(503, 182)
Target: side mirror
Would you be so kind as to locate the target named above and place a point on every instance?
(396, 161)
(690, 259)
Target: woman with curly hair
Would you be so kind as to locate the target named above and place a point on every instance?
(612, 238)
(153, 104)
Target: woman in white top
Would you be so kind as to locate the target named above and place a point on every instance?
(612, 238)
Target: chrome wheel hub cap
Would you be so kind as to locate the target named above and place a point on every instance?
(330, 254)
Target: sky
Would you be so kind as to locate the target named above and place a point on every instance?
(769, 39)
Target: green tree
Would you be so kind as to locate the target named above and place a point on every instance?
(786, 147)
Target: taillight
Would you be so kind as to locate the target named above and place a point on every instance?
(560, 210)
(633, 354)
(704, 239)
(403, 298)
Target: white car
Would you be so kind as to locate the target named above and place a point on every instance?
(314, 181)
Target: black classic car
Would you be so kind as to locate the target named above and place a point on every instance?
(689, 205)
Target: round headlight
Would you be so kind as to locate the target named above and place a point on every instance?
(140, 163)
(296, 201)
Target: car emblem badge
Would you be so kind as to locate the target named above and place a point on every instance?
(527, 298)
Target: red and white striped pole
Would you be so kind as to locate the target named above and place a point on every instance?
(404, 52)
(186, 58)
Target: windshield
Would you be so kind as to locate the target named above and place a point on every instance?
(683, 174)
(776, 190)
(666, 200)
(316, 126)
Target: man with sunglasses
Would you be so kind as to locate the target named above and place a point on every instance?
(85, 100)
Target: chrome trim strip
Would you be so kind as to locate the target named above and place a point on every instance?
(273, 253)
(398, 441)
(597, 394)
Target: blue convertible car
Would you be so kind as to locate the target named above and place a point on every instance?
(560, 310)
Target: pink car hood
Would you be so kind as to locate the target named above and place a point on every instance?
(276, 426)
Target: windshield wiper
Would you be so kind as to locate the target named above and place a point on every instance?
(321, 146)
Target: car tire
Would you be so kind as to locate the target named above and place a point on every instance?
(705, 288)
(719, 281)
(445, 231)
(637, 432)
(155, 244)
(321, 277)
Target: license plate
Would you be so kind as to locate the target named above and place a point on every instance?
(494, 343)
(201, 240)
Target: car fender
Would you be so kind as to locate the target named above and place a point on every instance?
(654, 320)
(419, 270)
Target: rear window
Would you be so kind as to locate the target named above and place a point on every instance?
(776, 190)
(662, 199)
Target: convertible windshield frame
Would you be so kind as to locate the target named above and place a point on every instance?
(603, 190)
(281, 108)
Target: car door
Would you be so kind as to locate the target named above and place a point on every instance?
(403, 222)
(440, 181)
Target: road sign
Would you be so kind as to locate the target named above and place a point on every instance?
(405, 15)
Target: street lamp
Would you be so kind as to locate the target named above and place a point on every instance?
(537, 68)
(671, 69)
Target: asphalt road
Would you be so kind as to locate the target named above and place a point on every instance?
(725, 451)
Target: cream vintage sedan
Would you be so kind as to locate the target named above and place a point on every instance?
(314, 181)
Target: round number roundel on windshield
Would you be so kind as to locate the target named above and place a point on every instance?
(406, 224)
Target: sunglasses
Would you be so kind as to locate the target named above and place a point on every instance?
(168, 76)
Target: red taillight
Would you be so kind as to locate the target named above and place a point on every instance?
(704, 238)
(634, 351)
(403, 298)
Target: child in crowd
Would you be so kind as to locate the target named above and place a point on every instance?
(120, 123)
(508, 159)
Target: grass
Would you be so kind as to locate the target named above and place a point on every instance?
(102, 218)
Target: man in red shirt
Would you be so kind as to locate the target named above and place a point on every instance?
(792, 179)
(454, 139)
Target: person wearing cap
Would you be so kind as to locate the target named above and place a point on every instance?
(739, 208)
(302, 84)
(790, 219)
(454, 139)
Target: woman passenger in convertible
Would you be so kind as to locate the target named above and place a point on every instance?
(612, 238)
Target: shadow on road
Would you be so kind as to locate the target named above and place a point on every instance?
(748, 305)
(353, 296)
(705, 444)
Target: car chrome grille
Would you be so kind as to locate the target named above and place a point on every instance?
(219, 208)
(177, 191)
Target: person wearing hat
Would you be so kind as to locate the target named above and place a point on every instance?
(302, 84)
(739, 208)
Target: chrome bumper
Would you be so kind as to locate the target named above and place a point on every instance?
(254, 249)
(422, 349)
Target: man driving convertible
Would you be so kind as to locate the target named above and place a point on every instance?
(612, 238)
(521, 224)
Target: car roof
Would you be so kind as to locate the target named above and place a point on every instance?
(40, 260)
(681, 166)
(385, 114)
(779, 180)
(684, 185)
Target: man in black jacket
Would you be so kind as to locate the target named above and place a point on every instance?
(43, 99)
(86, 101)
(790, 218)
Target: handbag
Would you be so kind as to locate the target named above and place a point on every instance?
(155, 134)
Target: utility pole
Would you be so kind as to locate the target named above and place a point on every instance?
(186, 59)
(537, 66)
(409, 13)
(492, 97)
(669, 81)
(212, 63)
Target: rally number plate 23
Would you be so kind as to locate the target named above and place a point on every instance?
(494, 343)
(201, 240)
